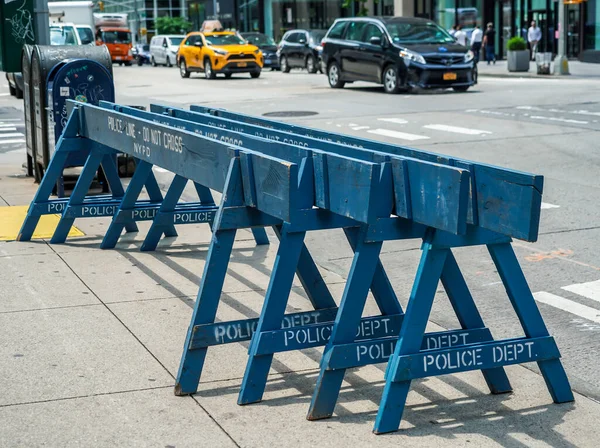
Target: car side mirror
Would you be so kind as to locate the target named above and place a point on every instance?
(165, 45)
(302, 41)
(198, 44)
(375, 41)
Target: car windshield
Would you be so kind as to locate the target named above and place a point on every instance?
(86, 35)
(418, 32)
(175, 41)
(146, 47)
(224, 39)
(259, 39)
(116, 37)
(62, 35)
(316, 37)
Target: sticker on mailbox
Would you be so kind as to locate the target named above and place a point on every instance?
(64, 91)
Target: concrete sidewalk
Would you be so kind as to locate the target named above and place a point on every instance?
(91, 340)
(577, 70)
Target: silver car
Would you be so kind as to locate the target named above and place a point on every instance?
(163, 49)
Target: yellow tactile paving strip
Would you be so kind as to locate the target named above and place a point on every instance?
(11, 219)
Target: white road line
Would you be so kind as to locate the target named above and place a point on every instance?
(11, 134)
(545, 205)
(562, 120)
(7, 128)
(11, 119)
(394, 120)
(567, 305)
(6, 125)
(591, 290)
(4, 94)
(360, 128)
(399, 135)
(456, 129)
(6, 142)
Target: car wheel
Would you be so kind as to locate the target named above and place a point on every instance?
(183, 71)
(152, 61)
(333, 74)
(228, 75)
(128, 64)
(461, 88)
(311, 64)
(12, 90)
(208, 71)
(169, 62)
(390, 79)
(255, 74)
(140, 61)
(18, 92)
(283, 63)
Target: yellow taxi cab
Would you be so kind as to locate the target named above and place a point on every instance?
(218, 52)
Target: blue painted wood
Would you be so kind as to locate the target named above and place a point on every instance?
(376, 351)
(77, 196)
(322, 182)
(211, 285)
(475, 357)
(242, 330)
(67, 143)
(411, 336)
(490, 184)
(466, 311)
(529, 315)
(347, 320)
(276, 298)
(168, 206)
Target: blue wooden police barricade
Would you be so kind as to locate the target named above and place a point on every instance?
(71, 150)
(228, 332)
(301, 184)
(437, 262)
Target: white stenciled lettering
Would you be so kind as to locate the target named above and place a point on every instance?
(130, 130)
(512, 352)
(173, 142)
(375, 352)
(234, 332)
(308, 335)
(469, 357)
(56, 207)
(140, 149)
(116, 125)
(446, 340)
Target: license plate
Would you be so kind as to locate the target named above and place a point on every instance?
(242, 64)
(118, 58)
(449, 76)
(267, 62)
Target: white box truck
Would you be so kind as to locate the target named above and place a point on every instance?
(79, 13)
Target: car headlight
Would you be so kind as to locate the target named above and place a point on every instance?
(130, 52)
(257, 51)
(411, 56)
(220, 51)
(319, 48)
(469, 56)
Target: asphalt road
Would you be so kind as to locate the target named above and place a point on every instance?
(548, 127)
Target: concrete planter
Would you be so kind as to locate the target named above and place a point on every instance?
(518, 61)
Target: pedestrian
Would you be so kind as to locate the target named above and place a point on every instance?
(534, 35)
(476, 38)
(489, 43)
(452, 31)
(460, 36)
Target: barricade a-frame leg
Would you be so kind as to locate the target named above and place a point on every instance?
(67, 143)
(142, 176)
(99, 155)
(530, 317)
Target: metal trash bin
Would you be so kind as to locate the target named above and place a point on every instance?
(32, 169)
(43, 60)
(543, 62)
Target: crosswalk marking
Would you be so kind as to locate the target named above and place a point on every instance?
(570, 306)
(562, 120)
(456, 129)
(11, 134)
(7, 128)
(399, 135)
(360, 128)
(590, 290)
(394, 120)
(7, 142)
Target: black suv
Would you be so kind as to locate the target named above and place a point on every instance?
(268, 47)
(398, 52)
(301, 49)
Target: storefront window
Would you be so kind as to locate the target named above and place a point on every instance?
(300, 14)
(445, 13)
(249, 17)
(591, 30)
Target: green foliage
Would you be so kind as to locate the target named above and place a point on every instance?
(172, 25)
(517, 44)
(362, 10)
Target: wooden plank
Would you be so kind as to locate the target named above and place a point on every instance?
(495, 183)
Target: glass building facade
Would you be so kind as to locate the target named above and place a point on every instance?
(510, 18)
